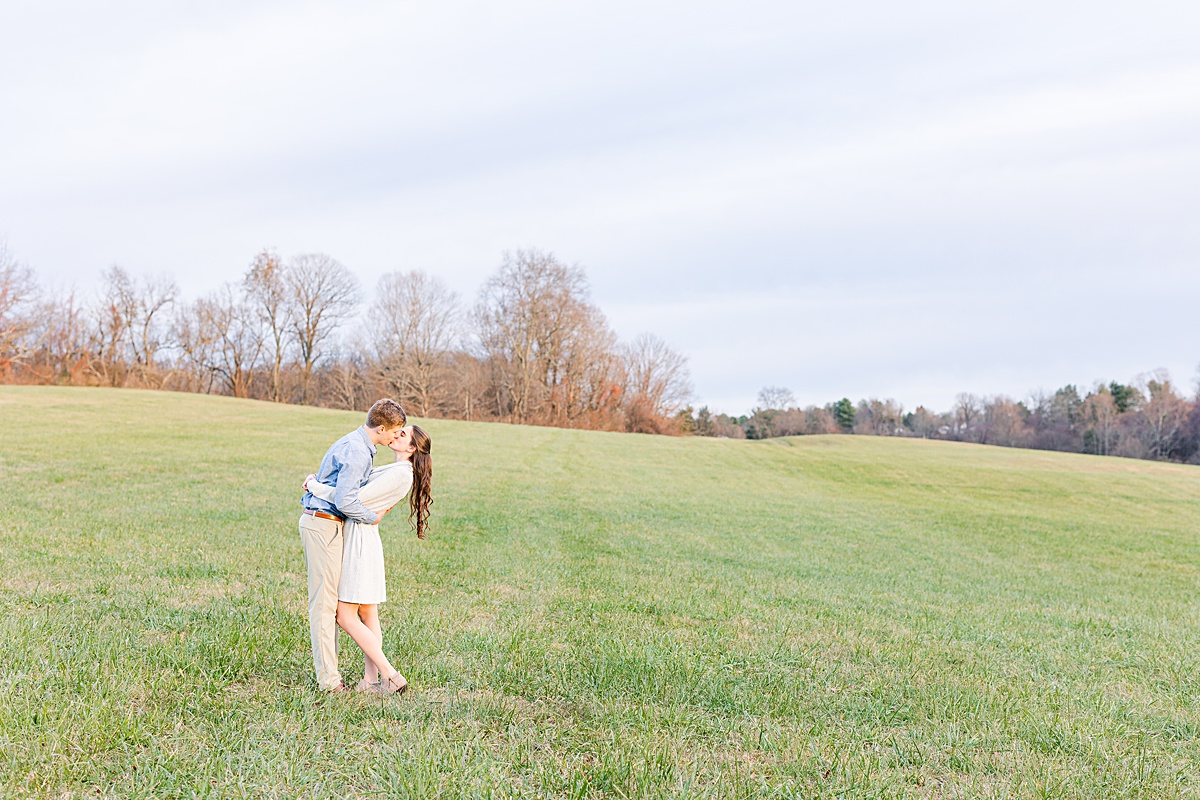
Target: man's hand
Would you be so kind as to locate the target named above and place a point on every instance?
(382, 513)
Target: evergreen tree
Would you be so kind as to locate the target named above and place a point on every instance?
(843, 412)
(1125, 397)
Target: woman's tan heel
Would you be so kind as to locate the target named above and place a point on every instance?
(396, 684)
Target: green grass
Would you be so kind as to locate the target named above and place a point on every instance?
(595, 615)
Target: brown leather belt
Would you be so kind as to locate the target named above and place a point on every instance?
(322, 515)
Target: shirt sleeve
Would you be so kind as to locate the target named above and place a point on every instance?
(355, 469)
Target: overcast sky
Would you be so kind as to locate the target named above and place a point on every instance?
(873, 199)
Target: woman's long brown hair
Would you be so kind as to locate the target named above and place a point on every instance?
(420, 497)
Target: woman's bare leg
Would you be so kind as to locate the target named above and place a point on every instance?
(369, 614)
(364, 637)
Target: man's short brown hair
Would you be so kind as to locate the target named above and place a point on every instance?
(388, 413)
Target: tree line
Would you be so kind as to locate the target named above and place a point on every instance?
(532, 348)
(1148, 418)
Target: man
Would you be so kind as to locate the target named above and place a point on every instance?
(346, 467)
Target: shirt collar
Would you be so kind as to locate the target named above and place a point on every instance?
(362, 429)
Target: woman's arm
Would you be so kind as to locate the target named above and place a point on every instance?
(318, 489)
(323, 492)
(387, 486)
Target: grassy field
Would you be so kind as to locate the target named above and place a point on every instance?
(595, 615)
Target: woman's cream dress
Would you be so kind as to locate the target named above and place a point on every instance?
(362, 550)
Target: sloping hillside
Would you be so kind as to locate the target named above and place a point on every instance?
(595, 614)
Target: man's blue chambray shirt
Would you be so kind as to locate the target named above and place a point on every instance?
(346, 467)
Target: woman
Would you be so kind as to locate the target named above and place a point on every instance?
(363, 586)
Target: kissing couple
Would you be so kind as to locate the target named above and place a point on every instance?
(339, 527)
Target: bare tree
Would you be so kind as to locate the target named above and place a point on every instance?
(523, 317)
(130, 324)
(17, 291)
(926, 424)
(344, 380)
(967, 410)
(467, 387)
(109, 331)
(726, 427)
(266, 287)
(323, 295)
(144, 317)
(790, 421)
(237, 335)
(776, 398)
(1099, 417)
(413, 324)
(1003, 423)
(879, 417)
(1163, 417)
(151, 332)
(657, 378)
(58, 340)
(1054, 420)
(583, 373)
(819, 421)
(195, 338)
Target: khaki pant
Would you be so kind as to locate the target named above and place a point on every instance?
(322, 540)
